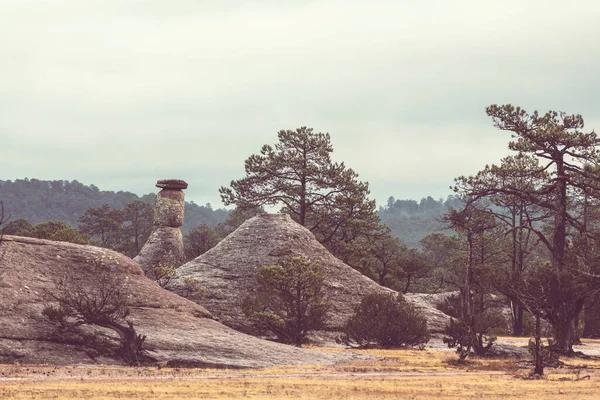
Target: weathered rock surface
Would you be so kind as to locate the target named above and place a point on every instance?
(430, 302)
(169, 208)
(165, 244)
(178, 331)
(163, 247)
(227, 272)
(172, 184)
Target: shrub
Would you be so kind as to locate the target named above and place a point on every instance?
(101, 302)
(476, 334)
(162, 275)
(289, 301)
(192, 289)
(528, 324)
(386, 320)
(450, 306)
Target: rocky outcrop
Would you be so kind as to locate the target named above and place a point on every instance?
(165, 244)
(179, 332)
(227, 272)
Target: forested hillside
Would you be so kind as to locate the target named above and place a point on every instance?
(65, 201)
(40, 201)
(412, 221)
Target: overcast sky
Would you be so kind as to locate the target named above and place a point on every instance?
(120, 93)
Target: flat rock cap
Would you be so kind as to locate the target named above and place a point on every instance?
(172, 184)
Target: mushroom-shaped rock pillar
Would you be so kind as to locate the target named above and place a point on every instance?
(165, 244)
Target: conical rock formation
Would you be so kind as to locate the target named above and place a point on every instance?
(227, 272)
(179, 332)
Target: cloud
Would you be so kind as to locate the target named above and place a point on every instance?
(121, 93)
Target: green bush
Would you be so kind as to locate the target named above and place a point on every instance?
(386, 320)
(528, 324)
(289, 301)
(476, 334)
(450, 306)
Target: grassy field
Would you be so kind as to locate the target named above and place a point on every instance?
(409, 374)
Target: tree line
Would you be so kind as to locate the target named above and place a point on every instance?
(524, 231)
(64, 201)
(125, 230)
(413, 220)
(540, 248)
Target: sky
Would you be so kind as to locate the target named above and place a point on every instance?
(120, 93)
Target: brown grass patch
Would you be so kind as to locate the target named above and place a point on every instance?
(398, 374)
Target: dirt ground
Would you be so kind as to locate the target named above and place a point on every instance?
(405, 373)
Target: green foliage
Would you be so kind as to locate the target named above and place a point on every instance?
(447, 258)
(476, 334)
(196, 214)
(289, 301)
(138, 217)
(193, 288)
(204, 237)
(235, 219)
(162, 275)
(99, 301)
(123, 230)
(56, 313)
(40, 201)
(412, 221)
(491, 322)
(18, 227)
(51, 230)
(388, 261)
(545, 352)
(297, 173)
(386, 320)
(103, 224)
(459, 335)
(554, 172)
(414, 267)
(199, 240)
(528, 324)
(57, 231)
(451, 306)
(555, 296)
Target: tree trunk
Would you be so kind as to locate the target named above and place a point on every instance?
(563, 338)
(537, 351)
(302, 216)
(577, 331)
(517, 319)
(466, 292)
(137, 242)
(132, 344)
(408, 279)
(560, 217)
(592, 317)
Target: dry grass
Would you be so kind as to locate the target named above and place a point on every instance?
(398, 374)
(416, 387)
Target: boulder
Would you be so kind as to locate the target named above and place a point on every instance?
(227, 272)
(172, 184)
(164, 247)
(179, 332)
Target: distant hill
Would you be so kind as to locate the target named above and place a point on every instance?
(412, 220)
(40, 201)
(65, 201)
